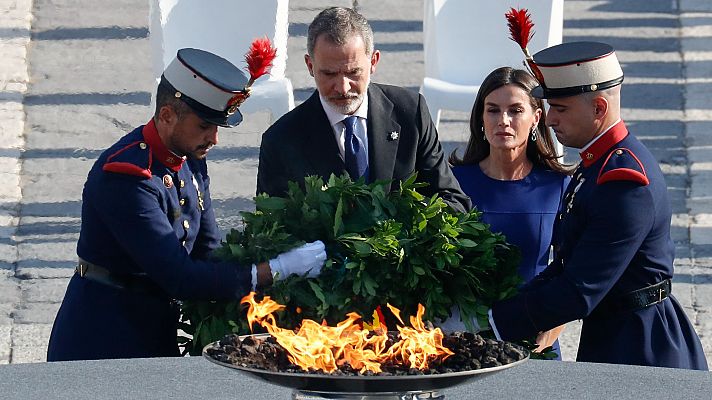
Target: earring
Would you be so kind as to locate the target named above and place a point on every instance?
(484, 137)
(534, 132)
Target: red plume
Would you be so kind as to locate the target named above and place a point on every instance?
(520, 27)
(521, 30)
(259, 58)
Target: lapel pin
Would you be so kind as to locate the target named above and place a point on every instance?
(393, 135)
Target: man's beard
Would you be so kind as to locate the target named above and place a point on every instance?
(202, 151)
(354, 102)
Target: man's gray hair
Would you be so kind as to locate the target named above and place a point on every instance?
(339, 24)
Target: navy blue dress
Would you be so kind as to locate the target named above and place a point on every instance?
(523, 210)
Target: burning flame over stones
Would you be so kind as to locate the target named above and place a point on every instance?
(316, 346)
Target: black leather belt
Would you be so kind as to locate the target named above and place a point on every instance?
(140, 283)
(636, 299)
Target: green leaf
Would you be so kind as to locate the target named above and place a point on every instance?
(264, 202)
(338, 218)
(237, 250)
(362, 248)
(467, 243)
(419, 270)
(356, 286)
(318, 292)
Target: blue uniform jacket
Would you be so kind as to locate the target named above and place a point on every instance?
(612, 236)
(146, 211)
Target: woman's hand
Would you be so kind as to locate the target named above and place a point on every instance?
(547, 338)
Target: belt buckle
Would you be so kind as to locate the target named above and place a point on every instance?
(82, 269)
(660, 294)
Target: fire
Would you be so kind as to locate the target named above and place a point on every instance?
(316, 346)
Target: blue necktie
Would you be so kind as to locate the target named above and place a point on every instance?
(355, 155)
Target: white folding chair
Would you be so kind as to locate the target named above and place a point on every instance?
(226, 28)
(464, 40)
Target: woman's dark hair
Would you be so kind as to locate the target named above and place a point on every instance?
(541, 152)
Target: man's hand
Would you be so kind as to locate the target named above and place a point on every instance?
(547, 338)
(307, 259)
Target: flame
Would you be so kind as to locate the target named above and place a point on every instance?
(316, 346)
(378, 323)
(259, 312)
(417, 344)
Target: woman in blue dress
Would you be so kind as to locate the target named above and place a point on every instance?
(511, 171)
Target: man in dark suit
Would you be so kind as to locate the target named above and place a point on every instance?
(371, 131)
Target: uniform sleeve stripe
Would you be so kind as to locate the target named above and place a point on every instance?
(130, 145)
(127, 168)
(623, 174)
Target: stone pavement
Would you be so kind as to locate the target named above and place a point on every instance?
(75, 76)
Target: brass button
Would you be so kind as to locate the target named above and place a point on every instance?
(182, 183)
(186, 224)
(142, 145)
(182, 202)
(619, 152)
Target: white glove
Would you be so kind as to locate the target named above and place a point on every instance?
(454, 323)
(306, 259)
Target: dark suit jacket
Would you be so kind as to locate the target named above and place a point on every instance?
(302, 143)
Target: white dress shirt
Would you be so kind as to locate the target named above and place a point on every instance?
(336, 118)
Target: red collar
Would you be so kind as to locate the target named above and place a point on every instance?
(598, 149)
(159, 150)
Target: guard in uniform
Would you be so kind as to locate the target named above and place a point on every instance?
(613, 261)
(148, 226)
